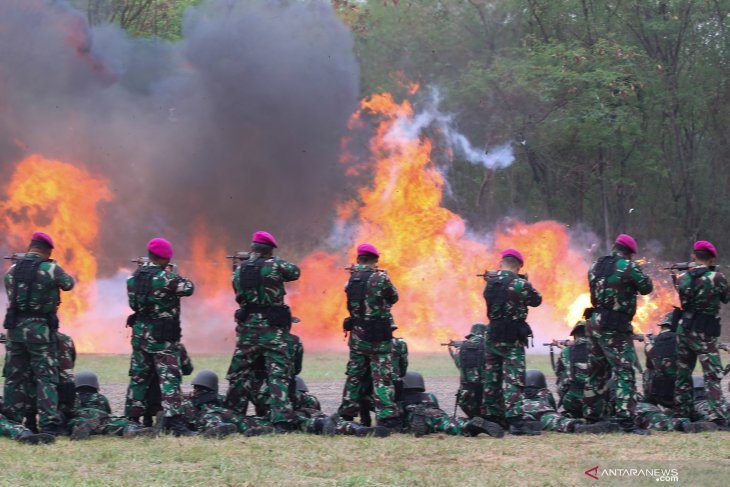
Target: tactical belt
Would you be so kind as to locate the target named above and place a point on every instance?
(278, 316)
(509, 331)
(163, 329)
(612, 320)
(699, 322)
(375, 330)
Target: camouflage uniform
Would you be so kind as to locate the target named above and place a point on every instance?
(572, 373)
(541, 407)
(259, 339)
(156, 351)
(10, 429)
(94, 406)
(372, 356)
(661, 368)
(399, 357)
(504, 371)
(651, 416)
(701, 290)
(295, 354)
(471, 370)
(609, 331)
(30, 352)
(206, 410)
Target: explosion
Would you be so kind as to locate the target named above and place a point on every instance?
(61, 199)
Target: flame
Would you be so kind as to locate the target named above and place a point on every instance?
(60, 199)
(428, 252)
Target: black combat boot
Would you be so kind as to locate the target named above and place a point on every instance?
(697, 426)
(362, 431)
(259, 431)
(628, 426)
(520, 427)
(326, 426)
(285, 427)
(417, 421)
(31, 422)
(147, 421)
(176, 425)
(722, 424)
(30, 438)
(478, 425)
(598, 428)
(220, 431)
(395, 425)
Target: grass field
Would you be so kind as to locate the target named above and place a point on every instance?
(297, 459)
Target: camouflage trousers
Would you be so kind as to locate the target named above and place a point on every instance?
(369, 358)
(211, 416)
(504, 380)
(692, 346)
(703, 412)
(147, 366)
(573, 403)
(609, 351)
(271, 344)
(32, 365)
(438, 421)
(650, 416)
(104, 423)
(469, 398)
(554, 421)
(10, 429)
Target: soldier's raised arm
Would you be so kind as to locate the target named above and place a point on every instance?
(642, 282)
(64, 281)
(389, 292)
(290, 272)
(532, 297)
(723, 291)
(183, 286)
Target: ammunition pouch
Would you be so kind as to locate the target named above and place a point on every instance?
(250, 274)
(277, 316)
(509, 331)
(471, 355)
(166, 329)
(399, 393)
(14, 316)
(475, 388)
(378, 330)
(701, 323)
(614, 320)
(663, 385)
(347, 324)
(131, 320)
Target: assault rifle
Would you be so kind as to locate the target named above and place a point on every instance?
(724, 346)
(642, 337)
(351, 268)
(680, 266)
(3, 338)
(140, 261)
(556, 343)
(487, 274)
(453, 345)
(16, 256)
(238, 257)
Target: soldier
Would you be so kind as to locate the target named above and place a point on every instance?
(539, 405)
(153, 399)
(93, 415)
(21, 434)
(302, 398)
(370, 295)
(572, 372)
(423, 414)
(701, 290)
(470, 360)
(614, 283)
(263, 325)
(702, 411)
(507, 294)
(154, 296)
(33, 285)
(661, 364)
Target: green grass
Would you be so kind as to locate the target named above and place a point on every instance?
(298, 459)
(113, 368)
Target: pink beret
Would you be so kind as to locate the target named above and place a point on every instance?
(42, 237)
(628, 242)
(160, 247)
(264, 238)
(366, 248)
(513, 253)
(706, 246)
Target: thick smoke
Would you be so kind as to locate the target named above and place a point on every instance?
(237, 126)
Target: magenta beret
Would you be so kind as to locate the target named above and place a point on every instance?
(628, 242)
(160, 247)
(366, 248)
(706, 246)
(42, 237)
(513, 253)
(264, 238)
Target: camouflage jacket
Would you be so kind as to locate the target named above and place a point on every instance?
(520, 295)
(400, 357)
(44, 298)
(702, 289)
(380, 295)
(274, 273)
(618, 291)
(572, 374)
(663, 365)
(542, 403)
(93, 400)
(305, 400)
(477, 337)
(66, 358)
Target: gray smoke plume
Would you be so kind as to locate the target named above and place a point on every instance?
(238, 125)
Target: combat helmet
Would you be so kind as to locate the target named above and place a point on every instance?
(207, 379)
(413, 381)
(86, 378)
(300, 384)
(536, 379)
